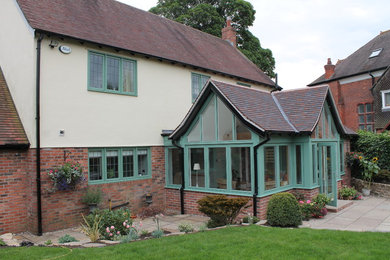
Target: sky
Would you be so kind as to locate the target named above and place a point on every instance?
(302, 34)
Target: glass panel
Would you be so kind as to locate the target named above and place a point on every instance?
(112, 164)
(361, 127)
(298, 162)
(225, 122)
(341, 157)
(217, 164)
(142, 155)
(128, 163)
(369, 118)
(315, 163)
(175, 165)
(269, 167)
(197, 167)
(361, 109)
(319, 126)
(96, 70)
(95, 166)
(242, 131)
(208, 122)
(194, 135)
(387, 99)
(128, 76)
(241, 168)
(283, 166)
(370, 128)
(368, 108)
(361, 119)
(329, 169)
(195, 82)
(326, 126)
(203, 80)
(112, 73)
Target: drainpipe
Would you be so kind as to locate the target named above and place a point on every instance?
(182, 178)
(372, 79)
(38, 134)
(256, 191)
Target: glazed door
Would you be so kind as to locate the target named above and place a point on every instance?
(327, 171)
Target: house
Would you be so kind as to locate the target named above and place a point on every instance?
(381, 94)
(352, 79)
(102, 83)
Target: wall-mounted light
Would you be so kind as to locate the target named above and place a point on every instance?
(53, 44)
(148, 198)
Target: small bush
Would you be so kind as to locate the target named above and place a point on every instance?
(92, 231)
(48, 242)
(221, 209)
(283, 211)
(2, 243)
(131, 236)
(202, 228)
(321, 199)
(250, 219)
(67, 239)
(157, 233)
(144, 232)
(347, 193)
(186, 228)
(92, 196)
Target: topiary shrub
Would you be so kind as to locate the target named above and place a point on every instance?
(221, 209)
(283, 211)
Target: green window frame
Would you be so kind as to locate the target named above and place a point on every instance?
(197, 83)
(273, 165)
(106, 165)
(112, 74)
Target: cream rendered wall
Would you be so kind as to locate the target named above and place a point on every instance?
(17, 60)
(94, 119)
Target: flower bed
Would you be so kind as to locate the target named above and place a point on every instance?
(379, 189)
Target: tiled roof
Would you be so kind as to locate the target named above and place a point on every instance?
(114, 24)
(293, 111)
(359, 62)
(12, 133)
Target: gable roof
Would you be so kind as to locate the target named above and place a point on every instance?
(114, 24)
(359, 62)
(293, 111)
(12, 134)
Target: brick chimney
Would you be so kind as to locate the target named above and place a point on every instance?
(229, 33)
(329, 69)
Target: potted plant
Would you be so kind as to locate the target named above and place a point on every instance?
(92, 197)
(67, 176)
(370, 167)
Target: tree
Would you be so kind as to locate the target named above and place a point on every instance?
(210, 15)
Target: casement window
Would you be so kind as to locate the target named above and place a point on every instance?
(276, 166)
(118, 164)
(366, 116)
(175, 166)
(386, 100)
(112, 74)
(197, 83)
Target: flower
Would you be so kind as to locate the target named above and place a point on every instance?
(108, 230)
(374, 159)
(118, 232)
(301, 202)
(308, 201)
(128, 226)
(360, 157)
(112, 227)
(110, 234)
(51, 171)
(133, 226)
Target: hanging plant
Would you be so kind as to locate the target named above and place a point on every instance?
(67, 176)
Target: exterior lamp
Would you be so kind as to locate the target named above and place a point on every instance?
(196, 169)
(148, 198)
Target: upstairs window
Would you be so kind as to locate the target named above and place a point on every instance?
(197, 83)
(366, 117)
(111, 74)
(386, 99)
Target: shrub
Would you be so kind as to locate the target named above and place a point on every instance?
(92, 196)
(347, 193)
(186, 228)
(131, 236)
(321, 199)
(157, 233)
(250, 219)
(2, 243)
(283, 210)
(202, 228)
(67, 239)
(221, 209)
(92, 231)
(48, 242)
(383, 176)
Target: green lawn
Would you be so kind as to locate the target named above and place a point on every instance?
(251, 242)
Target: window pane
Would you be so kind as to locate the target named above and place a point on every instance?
(361, 119)
(368, 108)
(142, 155)
(225, 122)
(197, 167)
(387, 99)
(112, 164)
(128, 76)
(175, 165)
(128, 163)
(96, 70)
(298, 162)
(369, 118)
(208, 123)
(194, 135)
(361, 109)
(361, 127)
(203, 80)
(326, 125)
(342, 157)
(315, 163)
(95, 166)
(370, 128)
(195, 83)
(112, 73)
(242, 131)
(283, 166)
(217, 164)
(319, 126)
(241, 168)
(269, 163)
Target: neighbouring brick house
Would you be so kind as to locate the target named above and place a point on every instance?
(381, 93)
(351, 81)
(97, 81)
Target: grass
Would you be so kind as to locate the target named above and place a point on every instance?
(250, 242)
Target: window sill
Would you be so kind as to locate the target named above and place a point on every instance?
(120, 180)
(132, 94)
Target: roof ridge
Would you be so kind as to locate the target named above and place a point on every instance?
(283, 113)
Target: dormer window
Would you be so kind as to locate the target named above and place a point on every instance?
(375, 53)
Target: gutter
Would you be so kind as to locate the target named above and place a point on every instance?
(256, 191)
(38, 134)
(174, 142)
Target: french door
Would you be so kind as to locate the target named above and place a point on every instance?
(327, 171)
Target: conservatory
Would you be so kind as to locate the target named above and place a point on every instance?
(245, 142)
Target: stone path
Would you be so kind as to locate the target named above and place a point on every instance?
(369, 214)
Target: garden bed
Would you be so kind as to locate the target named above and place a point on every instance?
(379, 189)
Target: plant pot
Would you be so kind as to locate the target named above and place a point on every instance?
(92, 207)
(366, 192)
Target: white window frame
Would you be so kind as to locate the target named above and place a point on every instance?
(384, 92)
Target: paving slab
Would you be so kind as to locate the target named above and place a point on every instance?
(94, 245)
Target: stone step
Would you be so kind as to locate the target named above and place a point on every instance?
(341, 204)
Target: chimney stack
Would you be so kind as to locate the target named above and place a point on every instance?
(329, 69)
(229, 33)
